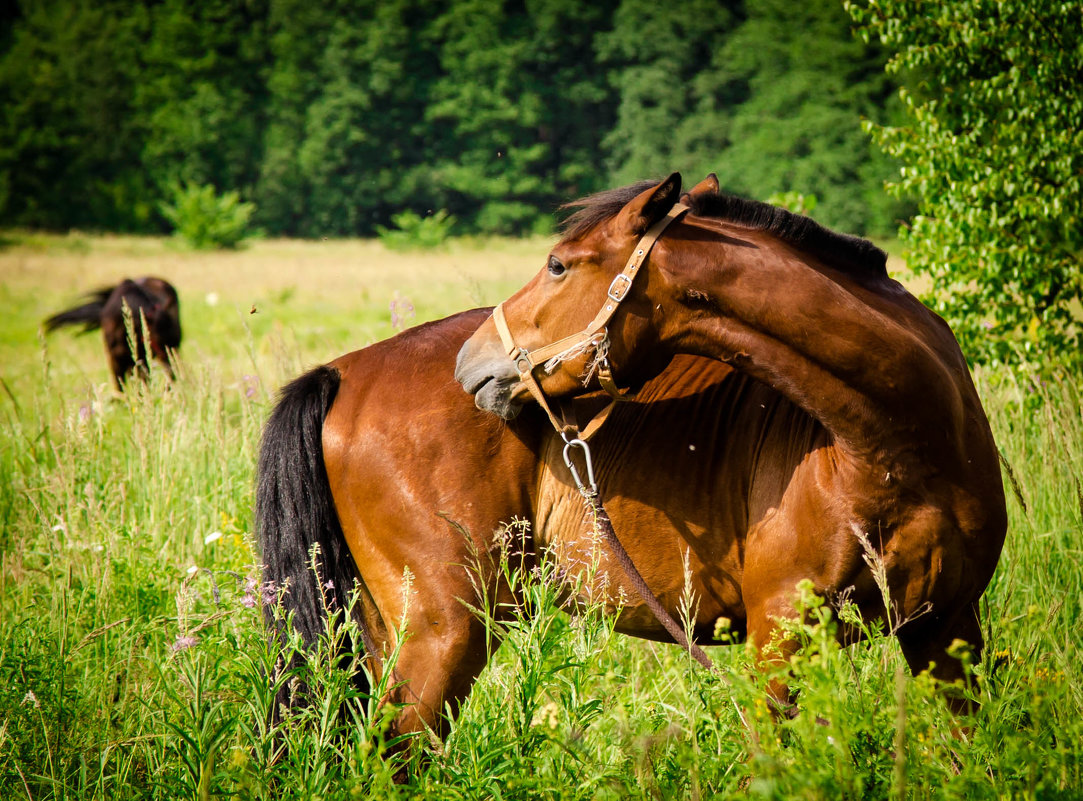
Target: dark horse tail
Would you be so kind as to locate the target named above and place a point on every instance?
(301, 542)
(89, 314)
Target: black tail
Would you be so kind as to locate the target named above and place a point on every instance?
(89, 315)
(295, 511)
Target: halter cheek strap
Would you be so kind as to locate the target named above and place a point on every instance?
(594, 337)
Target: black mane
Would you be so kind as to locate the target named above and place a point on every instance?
(851, 253)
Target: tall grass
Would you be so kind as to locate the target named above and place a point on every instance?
(133, 663)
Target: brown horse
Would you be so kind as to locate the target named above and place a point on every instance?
(151, 301)
(884, 439)
(381, 460)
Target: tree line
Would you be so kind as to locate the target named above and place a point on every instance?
(333, 115)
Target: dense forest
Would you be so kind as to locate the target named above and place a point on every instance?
(332, 115)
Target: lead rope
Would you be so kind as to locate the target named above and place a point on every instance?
(589, 491)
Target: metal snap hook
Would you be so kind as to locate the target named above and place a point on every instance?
(589, 489)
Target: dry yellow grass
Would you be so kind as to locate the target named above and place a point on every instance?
(338, 269)
(321, 298)
(324, 298)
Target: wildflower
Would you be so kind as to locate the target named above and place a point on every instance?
(184, 642)
(722, 628)
(547, 717)
(251, 384)
(212, 298)
(269, 592)
(402, 310)
(248, 600)
(31, 699)
(191, 570)
(214, 535)
(960, 649)
(86, 411)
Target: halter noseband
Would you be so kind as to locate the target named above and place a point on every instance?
(594, 337)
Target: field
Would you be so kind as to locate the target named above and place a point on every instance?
(132, 658)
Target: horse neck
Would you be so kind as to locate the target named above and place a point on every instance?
(860, 354)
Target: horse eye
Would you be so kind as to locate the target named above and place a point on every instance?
(555, 266)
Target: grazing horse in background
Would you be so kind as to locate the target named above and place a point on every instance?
(381, 460)
(151, 301)
(883, 442)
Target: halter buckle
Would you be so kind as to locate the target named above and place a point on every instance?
(618, 290)
(523, 363)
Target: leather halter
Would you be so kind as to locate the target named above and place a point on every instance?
(592, 337)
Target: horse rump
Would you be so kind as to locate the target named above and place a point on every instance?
(306, 562)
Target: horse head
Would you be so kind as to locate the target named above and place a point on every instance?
(582, 310)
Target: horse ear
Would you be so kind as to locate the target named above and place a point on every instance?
(650, 206)
(708, 186)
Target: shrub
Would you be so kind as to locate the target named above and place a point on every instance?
(206, 220)
(416, 232)
(796, 202)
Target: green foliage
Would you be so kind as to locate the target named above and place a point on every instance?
(332, 116)
(414, 231)
(794, 201)
(807, 84)
(767, 94)
(204, 219)
(362, 131)
(674, 106)
(200, 93)
(70, 137)
(993, 152)
(523, 106)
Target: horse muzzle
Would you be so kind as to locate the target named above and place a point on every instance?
(490, 376)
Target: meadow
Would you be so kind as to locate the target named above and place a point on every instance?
(133, 661)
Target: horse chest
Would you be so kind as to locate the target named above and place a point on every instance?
(669, 534)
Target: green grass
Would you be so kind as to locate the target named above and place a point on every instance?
(133, 663)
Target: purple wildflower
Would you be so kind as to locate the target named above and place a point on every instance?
(248, 600)
(184, 642)
(269, 592)
(402, 310)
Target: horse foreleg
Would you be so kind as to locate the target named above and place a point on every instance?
(773, 651)
(945, 644)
